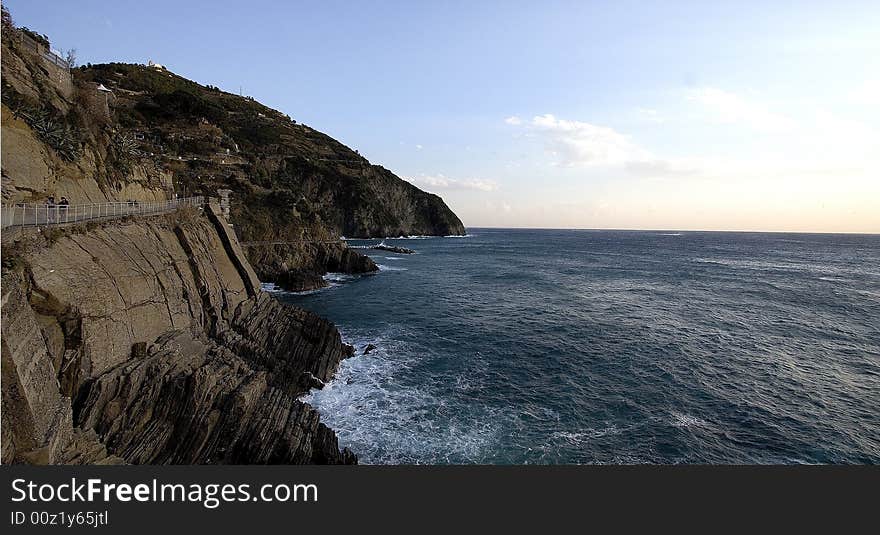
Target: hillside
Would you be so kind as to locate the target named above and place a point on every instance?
(304, 177)
(141, 338)
(153, 133)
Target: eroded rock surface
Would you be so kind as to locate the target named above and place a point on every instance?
(146, 342)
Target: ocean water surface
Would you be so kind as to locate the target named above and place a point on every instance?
(553, 346)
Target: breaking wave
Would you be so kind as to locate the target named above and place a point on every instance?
(383, 267)
(388, 422)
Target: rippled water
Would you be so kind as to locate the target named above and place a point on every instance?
(538, 346)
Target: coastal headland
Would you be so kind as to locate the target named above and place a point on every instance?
(142, 336)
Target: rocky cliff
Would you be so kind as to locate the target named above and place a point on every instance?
(148, 341)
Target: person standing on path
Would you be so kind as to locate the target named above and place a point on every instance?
(50, 209)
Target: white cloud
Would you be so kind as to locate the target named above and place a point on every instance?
(419, 147)
(442, 182)
(815, 143)
(573, 143)
(816, 170)
(513, 120)
(730, 108)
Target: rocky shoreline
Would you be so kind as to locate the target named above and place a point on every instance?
(279, 264)
(166, 352)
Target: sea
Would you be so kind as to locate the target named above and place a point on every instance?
(608, 347)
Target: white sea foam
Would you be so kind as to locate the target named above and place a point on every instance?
(270, 287)
(386, 422)
(333, 280)
(578, 438)
(337, 279)
(835, 279)
(383, 267)
(680, 419)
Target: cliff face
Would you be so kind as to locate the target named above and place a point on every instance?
(156, 330)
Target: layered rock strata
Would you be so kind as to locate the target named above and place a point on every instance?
(148, 341)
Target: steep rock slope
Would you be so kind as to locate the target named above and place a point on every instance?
(58, 137)
(157, 331)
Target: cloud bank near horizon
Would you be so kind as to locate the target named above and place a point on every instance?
(441, 182)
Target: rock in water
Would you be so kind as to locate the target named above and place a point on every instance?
(392, 249)
(308, 380)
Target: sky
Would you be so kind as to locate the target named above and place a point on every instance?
(746, 115)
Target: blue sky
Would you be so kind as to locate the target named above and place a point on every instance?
(679, 115)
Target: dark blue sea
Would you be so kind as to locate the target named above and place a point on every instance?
(555, 346)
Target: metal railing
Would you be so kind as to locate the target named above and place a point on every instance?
(56, 60)
(286, 242)
(45, 51)
(38, 215)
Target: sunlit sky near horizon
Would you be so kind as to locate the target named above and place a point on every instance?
(743, 115)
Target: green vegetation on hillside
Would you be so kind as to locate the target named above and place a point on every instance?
(294, 179)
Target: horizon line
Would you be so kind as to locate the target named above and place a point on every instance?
(594, 229)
